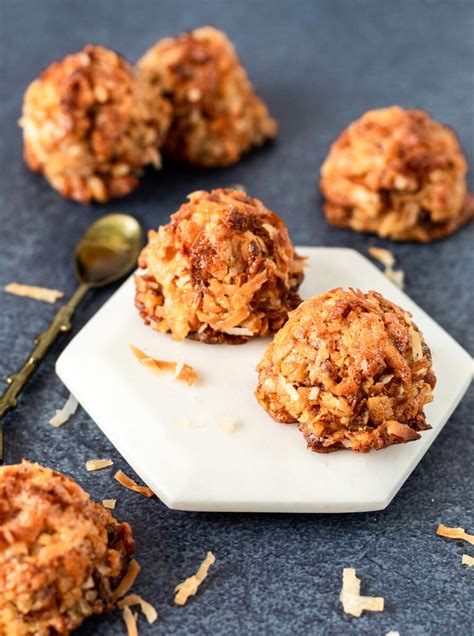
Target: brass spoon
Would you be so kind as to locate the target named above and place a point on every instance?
(107, 251)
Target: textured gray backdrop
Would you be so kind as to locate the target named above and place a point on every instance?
(319, 65)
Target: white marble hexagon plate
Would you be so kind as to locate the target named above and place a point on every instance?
(261, 466)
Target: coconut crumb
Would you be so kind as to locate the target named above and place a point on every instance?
(109, 503)
(182, 372)
(127, 581)
(467, 560)
(289, 388)
(382, 255)
(397, 276)
(62, 416)
(147, 609)
(190, 586)
(127, 482)
(227, 424)
(454, 533)
(130, 619)
(239, 331)
(98, 464)
(352, 602)
(36, 293)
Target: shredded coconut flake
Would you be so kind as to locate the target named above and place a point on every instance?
(350, 598)
(36, 293)
(239, 331)
(62, 416)
(467, 560)
(397, 276)
(227, 424)
(382, 255)
(98, 464)
(289, 388)
(148, 610)
(109, 503)
(130, 619)
(190, 586)
(182, 372)
(127, 581)
(454, 533)
(127, 482)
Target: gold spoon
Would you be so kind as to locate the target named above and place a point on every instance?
(107, 251)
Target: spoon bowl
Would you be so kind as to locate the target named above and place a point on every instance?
(108, 250)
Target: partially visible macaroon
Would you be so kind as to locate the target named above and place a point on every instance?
(397, 173)
(90, 125)
(351, 369)
(222, 270)
(61, 554)
(216, 115)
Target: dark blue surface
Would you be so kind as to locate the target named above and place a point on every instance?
(319, 66)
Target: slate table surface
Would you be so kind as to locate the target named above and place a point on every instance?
(319, 65)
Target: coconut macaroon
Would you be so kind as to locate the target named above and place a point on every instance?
(217, 116)
(90, 125)
(222, 270)
(61, 554)
(352, 369)
(399, 174)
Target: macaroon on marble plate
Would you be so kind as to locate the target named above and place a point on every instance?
(175, 436)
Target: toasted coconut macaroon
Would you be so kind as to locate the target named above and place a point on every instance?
(61, 554)
(351, 369)
(217, 116)
(223, 270)
(399, 174)
(90, 125)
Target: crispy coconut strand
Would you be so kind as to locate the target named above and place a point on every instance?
(61, 554)
(223, 270)
(399, 174)
(454, 533)
(352, 602)
(351, 369)
(36, 293)
(90, 125)
(216, 115)
(190, 586)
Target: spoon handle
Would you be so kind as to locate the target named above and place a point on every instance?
(60, 323)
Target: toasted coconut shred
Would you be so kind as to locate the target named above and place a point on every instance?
(467, 560)
(62, 416)
(127, 581)
(181, 371)
(36, 293)
(397, 276)
(130, 619)
(352, 602)
(382, 255)
(227, 424)
(109, 503)
(98, 464)
(148, 610)
(454, 533)
(127, 482)
(190, 586)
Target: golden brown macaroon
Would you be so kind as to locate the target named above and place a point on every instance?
(223, 270)
(61, 554)
(90, 125)
(351, 369)
(217, 116)
(399, 174)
